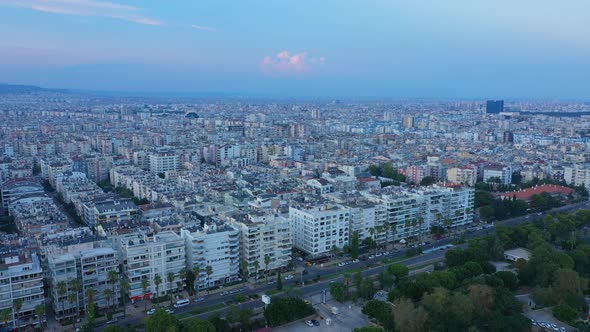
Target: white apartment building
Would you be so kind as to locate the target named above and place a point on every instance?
(160, 162)
(462, 175)
(504, 173)
(366, 216)
(144, 257)
(262, 235)
(577, 174)
(21, 278)
(448, 207)
(90, 264)
(316, 229)
(216, 244)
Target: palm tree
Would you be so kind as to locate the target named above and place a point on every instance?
(40, 312)
(209, 271)
(170, 278)
(112, 278)
(62, 289)
(421, 223)
(123, 293)
(257, 268)
(182, 275)
(266, 262)
(145, 284)
(386, 227)
(347, 278)
(157, 282)
(17, 305)
(378, 230)
(108, 295)
(90, 293)
(372, 232)
(197, 273)
(5, 316)
(73, 297)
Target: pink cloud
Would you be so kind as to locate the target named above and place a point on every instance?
(287, 63)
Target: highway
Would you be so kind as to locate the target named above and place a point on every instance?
(313, 272)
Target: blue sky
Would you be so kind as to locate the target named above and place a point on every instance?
(422, 48)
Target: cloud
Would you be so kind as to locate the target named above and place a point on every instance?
(201, 27)
(86, 8)
(286, 62)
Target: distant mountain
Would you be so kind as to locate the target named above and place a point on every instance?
(25, 89)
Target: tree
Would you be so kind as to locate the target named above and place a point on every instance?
(399, 271)
(40, 312)
(509, 279)
(194, 275)
(209, 271)
(198, 325)
(161, 321)
(62, 289)
(408, 317)
(285, 310)
(73, 296)
(368, 329)
(113, 278)
(482, 297)
(170, 278)
(266, 262)
(386, 227)
(338, 291)
(565, 313)
(257, 268)
(279, 282)
(5, 316)
(380, 311)
(17, 304)
(108, 295)
(124, 291)
(354, 244)
(427, 181)
(157, 283)
(145, 284)
(367, 290)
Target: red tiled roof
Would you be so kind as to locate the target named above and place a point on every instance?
(527, 194)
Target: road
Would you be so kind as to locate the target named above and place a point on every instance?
(313, 272)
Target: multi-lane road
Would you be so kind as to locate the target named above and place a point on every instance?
(364, 265)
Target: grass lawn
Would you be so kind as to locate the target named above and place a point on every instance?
(200, 310)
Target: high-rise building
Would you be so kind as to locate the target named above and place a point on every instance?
(317, 229)
(21, 278)
(215, 245)
(264, 234)
(408, 121)
(494, 106)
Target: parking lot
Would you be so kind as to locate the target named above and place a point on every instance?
(545, 316)
(348, 318)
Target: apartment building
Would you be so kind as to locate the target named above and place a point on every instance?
(89, 263)
(215, 244)
(504, 173)
(163, 161)
(144, 256)
(462, 175)
(263, 234)
(21, 280)
(318, 228)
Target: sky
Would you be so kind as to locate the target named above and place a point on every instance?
(341, 48)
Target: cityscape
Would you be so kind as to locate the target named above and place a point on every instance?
(279, 203)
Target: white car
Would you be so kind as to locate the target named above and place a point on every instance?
(151, 311)
(309, 323)
(355, 260)
(169, 311)
(289, 277)
(371, 257)
(341, 264)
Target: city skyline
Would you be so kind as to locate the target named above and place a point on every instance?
(358, 49)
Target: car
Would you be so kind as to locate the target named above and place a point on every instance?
(309, 323)
(181, 303)
(355, 260)
(378, 254)
(371, 257)
(169, 311)
(112, 321)
(341, 264)
(289, 277)
(562, 329)
(270, 282)
(542, 324)
(533, 322)
(300, 259)
(315, 322)
(199, 299)
(151, 312)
